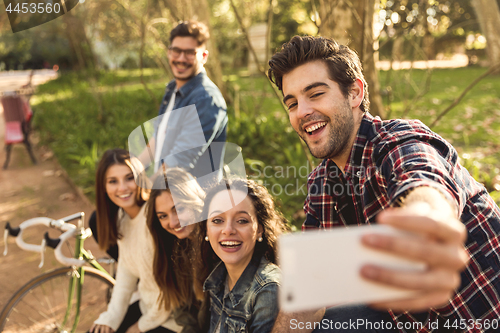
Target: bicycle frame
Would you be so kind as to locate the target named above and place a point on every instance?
(74, 297)
(77, 279)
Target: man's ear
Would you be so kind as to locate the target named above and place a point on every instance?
(205, 56)
(356, 94)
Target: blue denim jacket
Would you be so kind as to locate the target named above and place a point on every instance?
(252, 305)
(181, 145)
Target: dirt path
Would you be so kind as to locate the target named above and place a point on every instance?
(28, 191)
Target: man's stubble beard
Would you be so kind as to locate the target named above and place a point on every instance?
(338, 136)
(193, 72)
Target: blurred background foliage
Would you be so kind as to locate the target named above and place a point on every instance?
(113, 69)
(441, 27)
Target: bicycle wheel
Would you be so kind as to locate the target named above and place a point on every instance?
(40, 305)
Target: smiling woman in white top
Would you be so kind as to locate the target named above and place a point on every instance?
(121, 220)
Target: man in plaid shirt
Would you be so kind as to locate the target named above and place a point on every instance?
(398, 173)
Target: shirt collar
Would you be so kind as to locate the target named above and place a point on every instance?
(365, 133)
(356, 156)
(216, 279)
(190, 85)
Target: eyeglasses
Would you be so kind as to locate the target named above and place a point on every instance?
(176, 52)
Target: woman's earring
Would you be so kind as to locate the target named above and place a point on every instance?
(206, 238)
(260, 239)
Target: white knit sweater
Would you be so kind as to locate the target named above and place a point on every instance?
(136, 264)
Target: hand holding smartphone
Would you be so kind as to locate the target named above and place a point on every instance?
(321, 268)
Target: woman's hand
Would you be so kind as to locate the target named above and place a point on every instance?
(134, 328)
(96, 328)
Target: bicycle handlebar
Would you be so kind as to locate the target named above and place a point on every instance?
(51, 242)
(12, 231)
(69, 231)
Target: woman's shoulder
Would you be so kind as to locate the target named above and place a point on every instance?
(268, 273)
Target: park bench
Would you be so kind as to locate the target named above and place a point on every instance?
(17, 114)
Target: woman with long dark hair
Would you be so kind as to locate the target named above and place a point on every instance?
(174, 206)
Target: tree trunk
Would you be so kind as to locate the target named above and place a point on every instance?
(488, 14)
(213, 64)
(79, 42)
(351, 23)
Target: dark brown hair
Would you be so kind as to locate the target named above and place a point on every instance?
(172, 266)
(272, 221)
(195, 29)
(106, 210)
(343, 63)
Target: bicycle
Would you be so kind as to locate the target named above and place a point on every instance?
(44, 304)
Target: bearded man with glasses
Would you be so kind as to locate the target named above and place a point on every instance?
(191, 99)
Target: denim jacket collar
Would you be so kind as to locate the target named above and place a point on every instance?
(216, 280)
(190, 85)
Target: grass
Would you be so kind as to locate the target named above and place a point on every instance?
(69, 119)
(473, 126)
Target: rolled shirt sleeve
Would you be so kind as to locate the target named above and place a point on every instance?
(415, 163)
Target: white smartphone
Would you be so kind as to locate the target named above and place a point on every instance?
(321, 268)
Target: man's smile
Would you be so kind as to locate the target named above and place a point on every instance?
(181, 65)
(311, 128)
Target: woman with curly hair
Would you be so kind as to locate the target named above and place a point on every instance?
(237, 257)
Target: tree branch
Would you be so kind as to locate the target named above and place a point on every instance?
(261, 70)
(466, 90)
(141, 64)
(427, 87)
(245, 33)
(316, 14)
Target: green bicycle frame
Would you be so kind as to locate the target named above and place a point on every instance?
(76, 281)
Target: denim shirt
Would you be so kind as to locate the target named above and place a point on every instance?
(252, 305)
(182, 147)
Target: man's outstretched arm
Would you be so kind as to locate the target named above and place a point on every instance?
(289, 322)
(426, 212)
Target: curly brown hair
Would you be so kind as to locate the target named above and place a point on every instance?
(272, 221)
(344, 66)
(195, 29)
(172, 266)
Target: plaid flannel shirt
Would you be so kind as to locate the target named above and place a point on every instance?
(388, 159)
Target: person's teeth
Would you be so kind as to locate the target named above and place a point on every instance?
(230, 243)
(178, 229)
(124, 196)
(315, 127)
